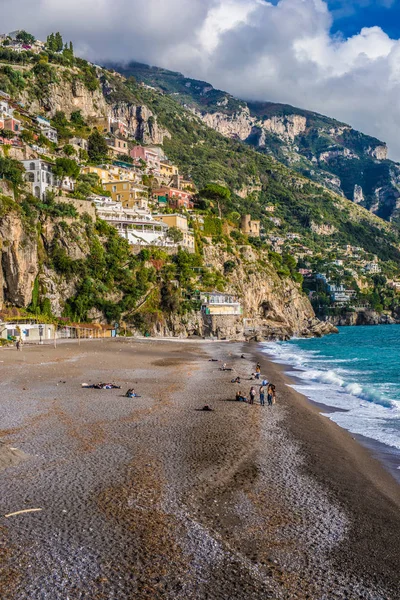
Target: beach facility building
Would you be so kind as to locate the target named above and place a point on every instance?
(27, 331)
(217, 303)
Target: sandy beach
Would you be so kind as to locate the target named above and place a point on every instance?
(149, 498)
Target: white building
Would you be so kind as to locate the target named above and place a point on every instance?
(50, 133)
(27, 331)
(137, 229)
(40, 175)
(372, 268)
(5, 109)
(47, 130)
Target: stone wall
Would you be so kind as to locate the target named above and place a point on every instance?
(81, 206)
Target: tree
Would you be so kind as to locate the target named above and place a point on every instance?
(59, 45)
(27, 136)
(77, 119)
(12, 171)
(55, 42)
(220, 194)
(175, 234)
(25, 37)
(65, 167)
(69, 150)
(7, 134)
(97, 147)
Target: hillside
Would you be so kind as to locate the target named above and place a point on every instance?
(61, 260)
(323, 149)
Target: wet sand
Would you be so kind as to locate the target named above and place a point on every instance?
(149, 498)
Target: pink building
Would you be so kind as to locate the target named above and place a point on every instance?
(149, 156)
(176, 198)
(12, 124)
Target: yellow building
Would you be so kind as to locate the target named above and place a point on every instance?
(126, 192)
(168, 170)
(181, 223)
(104, 174)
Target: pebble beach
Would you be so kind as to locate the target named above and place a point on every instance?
(151, 498)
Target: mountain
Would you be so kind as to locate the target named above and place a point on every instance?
(325, 150)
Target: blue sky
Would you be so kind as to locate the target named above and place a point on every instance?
(351, 15)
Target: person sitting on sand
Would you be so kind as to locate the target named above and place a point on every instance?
(252, 395)
(236, 380)
(131, 394)
(258, 371)
(240, 397)
(264, 383)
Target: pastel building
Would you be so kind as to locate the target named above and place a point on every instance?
(181, 223)
(149, 156)
(176, 198)
(118, 146)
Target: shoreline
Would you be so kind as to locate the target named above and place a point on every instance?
(355, 476)
(389, 456)
(153, 499)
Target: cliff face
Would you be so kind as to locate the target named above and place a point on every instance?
(69, 96)
(273, 308)
(19, 261)
(142, 124)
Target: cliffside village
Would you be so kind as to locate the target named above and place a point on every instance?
(162, 213)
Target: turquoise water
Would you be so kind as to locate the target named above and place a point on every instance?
(357, 371)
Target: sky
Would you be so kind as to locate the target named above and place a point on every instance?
(337, 57)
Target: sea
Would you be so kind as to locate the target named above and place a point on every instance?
(355, 375)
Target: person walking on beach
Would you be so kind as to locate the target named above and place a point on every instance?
(262, 395)
(273, 394)
(252, 395)
(18, 345)
(269, 394)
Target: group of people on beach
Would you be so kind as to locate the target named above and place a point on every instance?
(266, 388)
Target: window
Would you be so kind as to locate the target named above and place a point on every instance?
(32, 166)
(114, 188)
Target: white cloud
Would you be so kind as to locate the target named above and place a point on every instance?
(256, 50)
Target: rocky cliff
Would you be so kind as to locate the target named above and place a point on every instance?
(19, 261)
(69, 94)
(273, 308)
